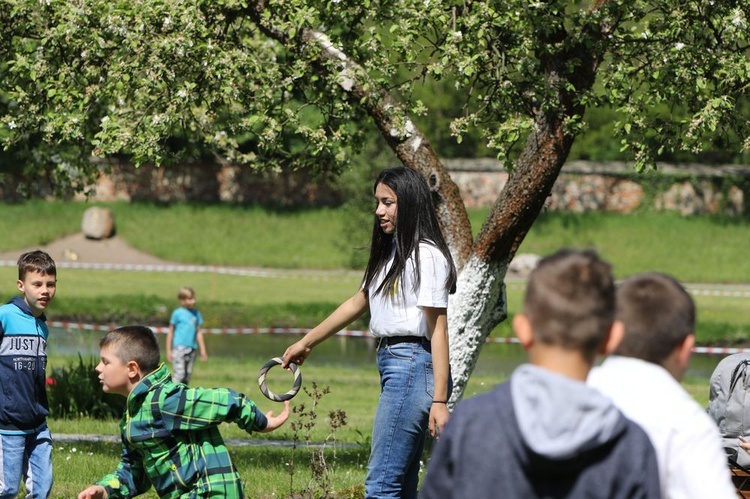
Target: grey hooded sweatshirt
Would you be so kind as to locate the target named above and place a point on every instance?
(541, 435)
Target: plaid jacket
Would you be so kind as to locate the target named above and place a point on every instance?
(171, 439)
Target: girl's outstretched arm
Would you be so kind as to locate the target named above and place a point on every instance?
(345, 314)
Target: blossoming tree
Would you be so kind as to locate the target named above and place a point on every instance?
(256, 80)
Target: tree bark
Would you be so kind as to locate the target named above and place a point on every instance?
(479, 303)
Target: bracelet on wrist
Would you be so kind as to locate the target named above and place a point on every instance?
(439, 401)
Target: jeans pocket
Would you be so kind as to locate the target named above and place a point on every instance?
(403, 351)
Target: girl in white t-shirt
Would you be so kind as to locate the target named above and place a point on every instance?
(405, 287)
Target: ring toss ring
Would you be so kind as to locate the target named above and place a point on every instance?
(277, 361)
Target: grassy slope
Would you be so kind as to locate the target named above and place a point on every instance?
(692, 249)
(696, 249)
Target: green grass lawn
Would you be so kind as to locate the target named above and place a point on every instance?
(695, 249)
(221, 235)
(266, 470)
(117, 297)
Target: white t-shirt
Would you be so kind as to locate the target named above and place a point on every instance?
(392, 314)
(692, 463)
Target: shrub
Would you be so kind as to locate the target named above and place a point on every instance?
(323, 470)
(74, 390)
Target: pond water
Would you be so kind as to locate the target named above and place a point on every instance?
(496, 359)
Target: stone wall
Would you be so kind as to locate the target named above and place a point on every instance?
(587, 186)
(213, 183)
(581, 187)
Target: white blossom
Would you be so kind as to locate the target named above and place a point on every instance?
(738, 20)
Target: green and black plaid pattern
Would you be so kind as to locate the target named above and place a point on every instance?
(171, 440)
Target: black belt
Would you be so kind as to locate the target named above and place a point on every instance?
(395, 340)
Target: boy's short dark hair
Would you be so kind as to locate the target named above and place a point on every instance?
(134, 343)
(570, 300)
(658, 314)
(36, 261)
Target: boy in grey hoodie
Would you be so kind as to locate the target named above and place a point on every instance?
(545, 433)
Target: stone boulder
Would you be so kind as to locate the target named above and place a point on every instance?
(522, 265)
(98, 223)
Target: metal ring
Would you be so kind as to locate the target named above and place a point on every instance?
(277, 361)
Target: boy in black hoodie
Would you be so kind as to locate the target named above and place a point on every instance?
(545, 433)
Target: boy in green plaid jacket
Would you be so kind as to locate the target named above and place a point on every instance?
(170, 432)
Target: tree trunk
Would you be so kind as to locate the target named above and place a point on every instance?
(479, 303)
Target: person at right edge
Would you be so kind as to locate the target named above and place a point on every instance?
(405, 287)
(545, 433)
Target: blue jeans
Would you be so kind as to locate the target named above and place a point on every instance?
(28, 456)
(401, 421)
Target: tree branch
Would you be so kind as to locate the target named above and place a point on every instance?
(411, 146)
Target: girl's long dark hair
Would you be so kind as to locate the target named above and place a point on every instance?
(416, 222)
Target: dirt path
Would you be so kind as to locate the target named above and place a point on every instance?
(77, 248)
